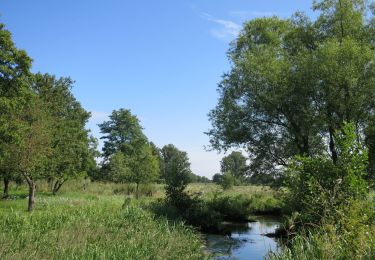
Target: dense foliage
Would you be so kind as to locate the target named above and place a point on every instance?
(42, 133)
(294, 82)
(128, 155)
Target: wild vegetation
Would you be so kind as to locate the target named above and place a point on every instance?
(299, 101)
(90, 224)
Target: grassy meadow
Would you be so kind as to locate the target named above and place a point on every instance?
(102, 221)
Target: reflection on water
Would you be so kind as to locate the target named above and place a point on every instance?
(244, 240)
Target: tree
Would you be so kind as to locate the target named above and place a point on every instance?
(370, 142)
(117, 169)
(157, 153)
(236, 164)
(294, 83)
(319, 186)
(14, 78)
(144, 167)
(176, 170)
(227, 180)
(217, 178)
(32, 151)
(124, 135)
(70, 140)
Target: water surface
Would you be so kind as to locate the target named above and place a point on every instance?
(244, 240)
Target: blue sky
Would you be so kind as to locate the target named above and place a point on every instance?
(161, 59)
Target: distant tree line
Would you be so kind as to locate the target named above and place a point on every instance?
(234, 170)
(129, 157)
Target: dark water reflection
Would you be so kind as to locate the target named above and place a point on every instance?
(244, 240)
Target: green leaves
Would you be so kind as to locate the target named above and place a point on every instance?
(176, 171)
(138, 162)
(318, 186)
(122, 133)
(294, 82)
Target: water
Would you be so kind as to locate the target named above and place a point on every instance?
(244, 240)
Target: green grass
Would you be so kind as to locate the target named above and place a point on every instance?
(92, 220)
(90, 226)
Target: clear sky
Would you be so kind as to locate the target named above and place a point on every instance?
(161, 59)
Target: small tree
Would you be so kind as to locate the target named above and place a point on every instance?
(31, 152)
(144, 166)
(217, 178)
(177, 172)
(227, 180)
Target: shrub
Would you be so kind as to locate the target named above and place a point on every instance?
(227, 181)
(319, 186)
(235, 208)
(350, 236)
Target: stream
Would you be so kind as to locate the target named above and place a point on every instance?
(244, 240)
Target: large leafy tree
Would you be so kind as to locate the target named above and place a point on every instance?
(294, 83)
(14, 77)
(71, 156)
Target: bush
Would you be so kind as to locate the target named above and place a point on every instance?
(198, 214)
(350, 236)
(227, 181)
(319, 186)
(231, 208)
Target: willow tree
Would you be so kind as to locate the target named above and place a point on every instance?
(294, 82)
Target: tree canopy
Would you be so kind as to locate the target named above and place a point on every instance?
(139, 158)
(294, 82)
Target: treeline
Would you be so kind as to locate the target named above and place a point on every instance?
(42, 125)
(43, 134)
(234, 170)
(129, 157)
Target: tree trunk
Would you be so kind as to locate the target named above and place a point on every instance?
(32, 188)
(136, 191)
(50, 183)
(332, 146)
(6, 188)
(57, 186)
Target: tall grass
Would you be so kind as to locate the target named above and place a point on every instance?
(91, 227)
(350, 236)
